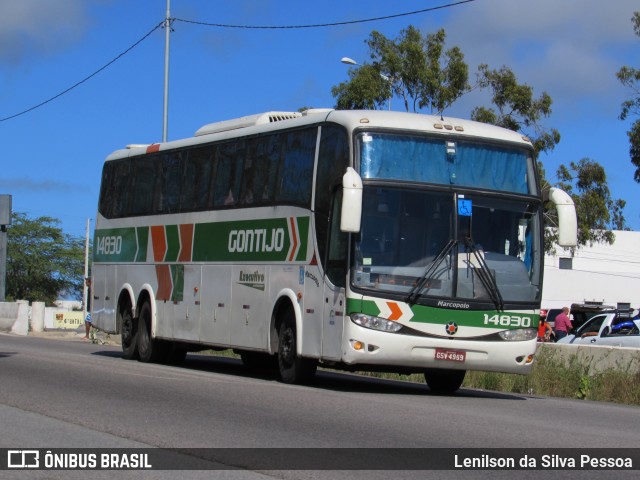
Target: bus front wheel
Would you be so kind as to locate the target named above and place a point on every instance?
(292, 368)
(128, 332)
(444, 381)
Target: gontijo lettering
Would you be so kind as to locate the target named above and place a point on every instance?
(256, 240)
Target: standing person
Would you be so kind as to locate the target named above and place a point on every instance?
(87, 320)
(544, 330)
(563, 324)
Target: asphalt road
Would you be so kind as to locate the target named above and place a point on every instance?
(64, 394)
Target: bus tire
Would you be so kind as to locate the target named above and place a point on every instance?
(292, 368)
(149, 350)
(442, 380)
(128, 333)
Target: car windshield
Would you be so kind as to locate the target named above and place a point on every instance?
(425, 244)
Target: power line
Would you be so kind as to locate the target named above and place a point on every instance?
(220, 25)
(322, 25)
(86, 78)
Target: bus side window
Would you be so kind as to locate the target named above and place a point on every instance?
(121, 188)
(296, 168)
(145, 174)
(171, 174)
(197, 180)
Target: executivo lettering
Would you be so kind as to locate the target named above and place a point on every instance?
(252, 279)
(256, 240)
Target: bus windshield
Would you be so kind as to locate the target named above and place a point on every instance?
(472, 247)
(441, 161)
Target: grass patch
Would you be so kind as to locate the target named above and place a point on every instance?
(553, 378)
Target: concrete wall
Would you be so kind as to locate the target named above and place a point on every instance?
(595, 359)
(14, 317)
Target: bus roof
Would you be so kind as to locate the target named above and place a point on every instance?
(352, 119)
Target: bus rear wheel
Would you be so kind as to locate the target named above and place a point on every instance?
(292, 368)
(149, 350)
(443, 380)
(128, 332)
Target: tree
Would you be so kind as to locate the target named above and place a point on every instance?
(42, 261)
(517, 110)
(598, 213)
(413, 67)
(424, 75)
(630, 77)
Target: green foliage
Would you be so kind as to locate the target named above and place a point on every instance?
(598, 213)
(42, 262)
(413, 67)
(517, 109)
(630, 78)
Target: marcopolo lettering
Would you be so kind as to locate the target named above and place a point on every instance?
(258, 240)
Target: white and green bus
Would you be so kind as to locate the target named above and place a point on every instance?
(358, 240)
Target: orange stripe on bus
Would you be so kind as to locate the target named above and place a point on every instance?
(163, 274)
(186, 242)
(153, 148)
(294, 242)
(159, 240)
(396, 312)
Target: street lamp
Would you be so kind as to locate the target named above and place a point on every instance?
(386, 78)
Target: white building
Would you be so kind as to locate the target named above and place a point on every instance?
(602, 273)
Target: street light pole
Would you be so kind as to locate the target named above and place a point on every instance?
(167, 30)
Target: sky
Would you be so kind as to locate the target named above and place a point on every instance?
(53, 154)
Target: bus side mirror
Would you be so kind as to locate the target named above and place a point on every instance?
(351, 202)
(567, 219)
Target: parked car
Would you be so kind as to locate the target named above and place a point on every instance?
(606, 329)
(581, 312)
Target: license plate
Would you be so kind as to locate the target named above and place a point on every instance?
(451, 355)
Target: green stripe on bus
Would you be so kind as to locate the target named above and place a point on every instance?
(177, 277)
(115, 245)
(442, 316)
(266, 240)
(142, 234)
(270, 240)
(173, 243)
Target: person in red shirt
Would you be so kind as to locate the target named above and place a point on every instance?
(544, 329)
(563, 324)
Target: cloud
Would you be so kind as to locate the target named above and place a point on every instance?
(12, 185)
(571, 49)
(39, 28)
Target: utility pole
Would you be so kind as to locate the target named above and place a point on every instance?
(5, 219)
(167, 30)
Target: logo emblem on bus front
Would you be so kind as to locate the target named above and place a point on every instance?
(451, 328)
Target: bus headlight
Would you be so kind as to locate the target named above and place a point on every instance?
(519, 334)
(375, 323)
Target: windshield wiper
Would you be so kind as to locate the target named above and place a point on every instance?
(414, 294)
(485, 275)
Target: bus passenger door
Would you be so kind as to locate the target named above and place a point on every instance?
(186, 302)
(335, 278)
(103, 298)
(215, 297)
